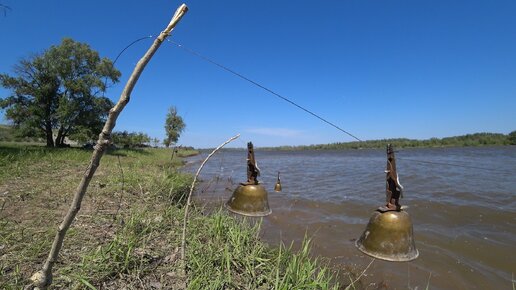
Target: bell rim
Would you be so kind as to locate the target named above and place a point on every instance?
(407, 257)
(251, 214)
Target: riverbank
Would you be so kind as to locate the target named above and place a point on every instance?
(469, 140)
(128, 231)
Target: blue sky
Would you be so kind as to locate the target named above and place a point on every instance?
(378, 69)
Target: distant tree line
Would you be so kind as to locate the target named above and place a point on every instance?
(7, 134)
(477, 139)
(126, 139)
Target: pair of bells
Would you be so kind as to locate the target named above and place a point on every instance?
(388, 235)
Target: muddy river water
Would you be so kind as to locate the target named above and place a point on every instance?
(464, 216)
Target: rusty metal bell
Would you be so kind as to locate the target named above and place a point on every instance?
(389, 236)
(250, 198)
(277, 187)
(389, 233)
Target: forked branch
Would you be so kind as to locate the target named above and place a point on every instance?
(43, 278)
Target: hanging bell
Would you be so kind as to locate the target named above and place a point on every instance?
(389, 236)
(277, 187)
(389, 233)
(250, 198)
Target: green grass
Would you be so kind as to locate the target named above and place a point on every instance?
(226, 253)
(8, 134)
(128, 231)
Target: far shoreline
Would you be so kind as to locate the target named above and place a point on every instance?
(469, 140)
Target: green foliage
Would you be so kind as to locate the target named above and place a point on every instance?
(130, 140)
(226, 253)
(174, 126)
(58, 92)
(477, 139)
(512, 138)
(9, 134)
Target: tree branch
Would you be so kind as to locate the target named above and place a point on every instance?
(188, 201)
(43, 278)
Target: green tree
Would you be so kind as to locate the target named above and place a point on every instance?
(512, 138)
(130, 140)
(174, 126)
(57, 94)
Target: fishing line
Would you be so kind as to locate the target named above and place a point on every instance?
(194, 53)
(120, 54)
(129, 45)
(260, 86)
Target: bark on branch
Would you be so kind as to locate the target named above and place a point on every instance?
(43, 278)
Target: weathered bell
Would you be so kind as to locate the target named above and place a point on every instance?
(250, 198)
(277, 187)
(389, 233)
(389, 236)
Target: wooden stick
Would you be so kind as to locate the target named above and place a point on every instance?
(360, 276)
(188, 201)
(43, 278)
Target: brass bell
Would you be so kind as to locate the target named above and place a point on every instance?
(389, 236)
(389, 233)
(277, 187)
(250, 198)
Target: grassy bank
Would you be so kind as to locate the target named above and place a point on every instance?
(127, 233)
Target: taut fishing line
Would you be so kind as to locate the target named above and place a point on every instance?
(260, 86)
(194, 53)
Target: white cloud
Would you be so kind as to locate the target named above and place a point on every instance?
(281, 132)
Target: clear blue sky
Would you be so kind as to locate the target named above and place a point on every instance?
(378, 69)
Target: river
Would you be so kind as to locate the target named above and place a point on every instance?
(464, 217)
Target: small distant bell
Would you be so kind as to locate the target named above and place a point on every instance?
(277, 187)
(389, 236)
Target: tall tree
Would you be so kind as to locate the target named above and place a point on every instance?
(57, 94)
(174, 126)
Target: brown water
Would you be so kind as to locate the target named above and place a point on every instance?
(464, 218)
